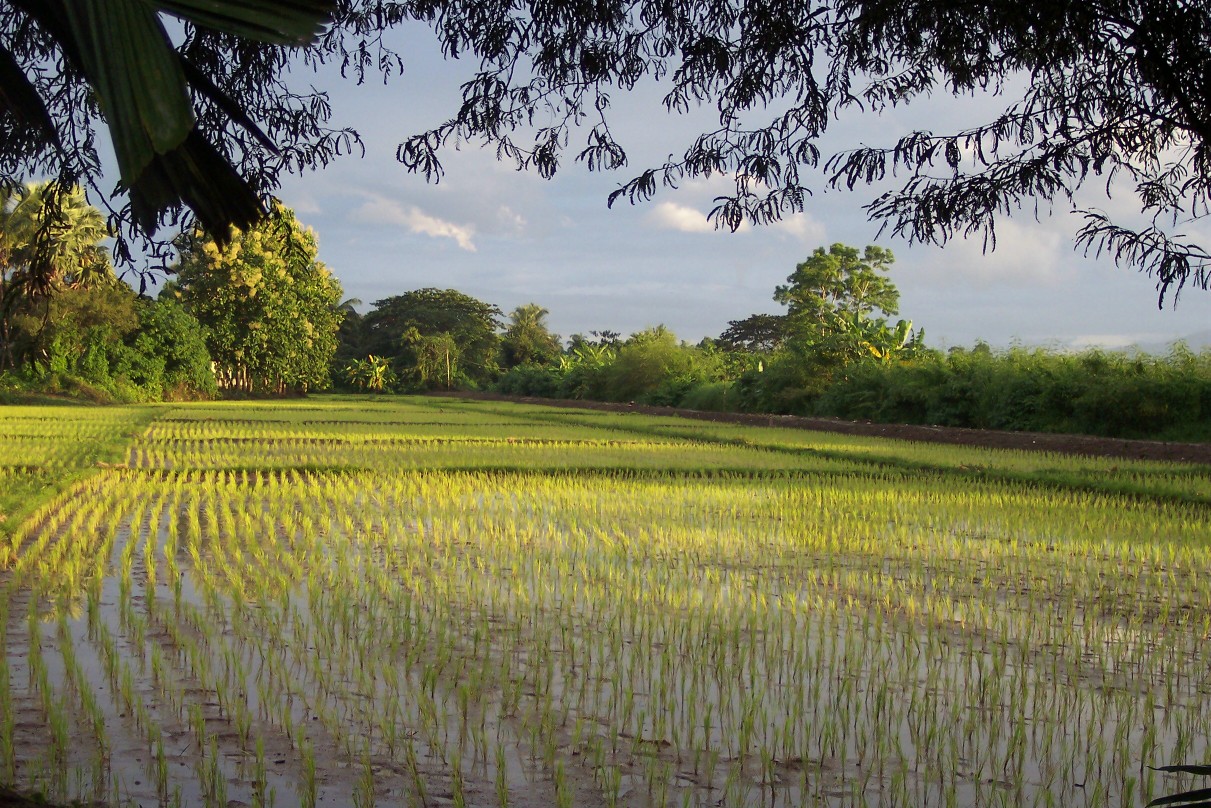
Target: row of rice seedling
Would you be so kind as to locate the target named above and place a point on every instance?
(1111, 474)
(45, 449)
(468, 453)
(65, 436)
(168, 432)
(520, 632)
(351, 410)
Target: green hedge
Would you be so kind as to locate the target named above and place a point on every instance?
(1093, 392)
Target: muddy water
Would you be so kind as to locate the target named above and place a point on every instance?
(569, 675)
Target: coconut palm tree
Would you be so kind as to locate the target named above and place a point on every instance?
(60, 238)
(527, 340)
(50, 238)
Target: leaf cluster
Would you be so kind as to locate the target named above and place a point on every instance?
(269, 306)
(1115, 94)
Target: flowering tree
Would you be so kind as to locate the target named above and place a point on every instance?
(269, 306)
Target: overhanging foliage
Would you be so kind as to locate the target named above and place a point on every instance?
(1117, 93)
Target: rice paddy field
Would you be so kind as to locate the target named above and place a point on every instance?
(436, 602)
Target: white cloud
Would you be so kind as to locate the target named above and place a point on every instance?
(671, 216)
(380, 210)
(802, 227)
(1027, 254)
(511, 220)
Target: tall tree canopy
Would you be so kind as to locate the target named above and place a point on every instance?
(50, 241)
(757, 333)
(840, 281)
(1101, 92)
(269, 306)
(527, 339)
(435, 336)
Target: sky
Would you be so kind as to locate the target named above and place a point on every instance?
(511, 238)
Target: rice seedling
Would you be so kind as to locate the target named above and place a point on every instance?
(494, 602)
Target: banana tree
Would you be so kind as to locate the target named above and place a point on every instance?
(886, 343)
(372, 373)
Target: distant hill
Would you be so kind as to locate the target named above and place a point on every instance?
(1197, 341)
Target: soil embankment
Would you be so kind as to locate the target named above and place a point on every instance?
(990, 438)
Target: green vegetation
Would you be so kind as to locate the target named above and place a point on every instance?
(267, 312)
(352, 600)
(834, 352)
(69, 326)
(269, 307)
(527, 341)
(432, 338)
(1093, 392)
(262, 306)
(47, 448)
(269, 315)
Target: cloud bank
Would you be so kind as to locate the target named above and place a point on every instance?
(381, 210)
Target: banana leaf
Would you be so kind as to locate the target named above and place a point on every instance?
(281, 22)
(1195, 798)
(143, 88)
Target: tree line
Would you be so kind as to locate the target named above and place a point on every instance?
(256, 313)
(834, 350)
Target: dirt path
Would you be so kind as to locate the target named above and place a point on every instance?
(990, 438)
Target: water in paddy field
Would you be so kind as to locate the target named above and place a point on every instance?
(395, 620)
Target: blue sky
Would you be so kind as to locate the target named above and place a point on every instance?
(511, 238)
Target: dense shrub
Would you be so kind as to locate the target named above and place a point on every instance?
(531, 380)
(1093, 392)
(1026, 389)
(784, 382)
(106, 345)
(712, 397)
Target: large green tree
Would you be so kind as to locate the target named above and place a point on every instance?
(1091, 94)
(837, 285)
(527, 339)
(757, 333)
(436, 337)
(270, 307)
(838, 303)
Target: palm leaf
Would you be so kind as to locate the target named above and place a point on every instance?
(137, 77)
(1198, 798)
(281, 22)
